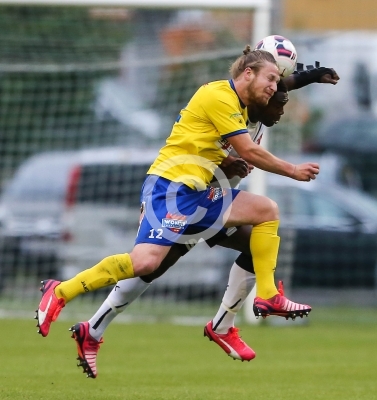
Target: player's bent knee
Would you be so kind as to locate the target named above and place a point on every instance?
(272, 210)
(268, 210)
(145, 265)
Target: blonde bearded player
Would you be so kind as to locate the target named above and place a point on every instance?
(216, 112)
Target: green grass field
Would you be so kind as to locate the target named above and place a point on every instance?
(332, 357)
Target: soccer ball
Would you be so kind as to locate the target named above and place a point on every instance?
(283, 50)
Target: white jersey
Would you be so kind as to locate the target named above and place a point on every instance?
(256, 132)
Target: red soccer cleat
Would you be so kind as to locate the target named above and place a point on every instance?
(231, 343)
(87, 348)
(279, 305)
(49, 307)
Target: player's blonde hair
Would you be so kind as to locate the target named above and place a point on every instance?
(254, 59)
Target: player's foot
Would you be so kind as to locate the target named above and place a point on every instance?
(87, 348)
(280, 305)
(49, 307)
(230, 342)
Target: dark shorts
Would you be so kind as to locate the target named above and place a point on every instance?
(211, 242)
(174, 213)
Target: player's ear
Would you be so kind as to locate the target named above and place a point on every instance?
(249, 73)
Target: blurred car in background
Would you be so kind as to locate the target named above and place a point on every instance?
(31, 207)
(334, 242)
(355, 138)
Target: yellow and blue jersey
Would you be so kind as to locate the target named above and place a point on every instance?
(198, 141)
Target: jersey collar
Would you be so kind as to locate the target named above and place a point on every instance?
(231, 83)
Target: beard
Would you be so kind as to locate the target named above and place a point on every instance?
(257, 96)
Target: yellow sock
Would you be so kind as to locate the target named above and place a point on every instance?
(264, 246)
(107, 272)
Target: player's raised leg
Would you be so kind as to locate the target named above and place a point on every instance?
(56, 294)
(143, 259)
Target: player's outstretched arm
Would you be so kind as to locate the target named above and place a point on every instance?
(312, 74)
(261, 158)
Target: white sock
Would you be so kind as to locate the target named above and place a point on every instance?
(123, 294)
(240, 284)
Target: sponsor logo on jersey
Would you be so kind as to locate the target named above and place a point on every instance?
(216, 194)
(236, 115)
(174, 222)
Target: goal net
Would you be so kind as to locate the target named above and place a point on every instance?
(88, 93)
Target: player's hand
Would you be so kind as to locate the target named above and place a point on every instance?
(233, 166)
(305, 172)
(332, 78)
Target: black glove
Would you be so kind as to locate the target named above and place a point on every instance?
(312, 74)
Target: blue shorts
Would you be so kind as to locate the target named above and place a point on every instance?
(174, 213)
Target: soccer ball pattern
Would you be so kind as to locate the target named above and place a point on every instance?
(283, 51)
